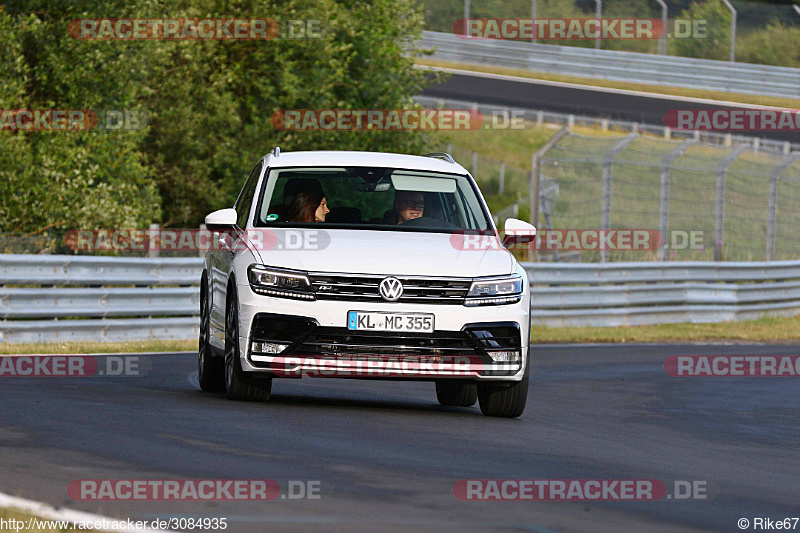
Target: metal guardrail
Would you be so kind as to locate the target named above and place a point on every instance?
(614, 65)
(616, 294)
(107, 299)
(83, 298)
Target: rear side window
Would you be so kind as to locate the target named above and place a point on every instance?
(245, 200)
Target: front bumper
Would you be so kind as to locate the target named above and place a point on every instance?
(316, 340)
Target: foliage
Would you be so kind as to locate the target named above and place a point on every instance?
(718, 23)
(209, 104)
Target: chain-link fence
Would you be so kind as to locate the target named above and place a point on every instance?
(704, 201)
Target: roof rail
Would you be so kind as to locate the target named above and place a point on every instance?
(276, 151)
(442, 155)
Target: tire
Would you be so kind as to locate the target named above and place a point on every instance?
(210, 369)
(503, 400)
(456, 393)
(238, 385)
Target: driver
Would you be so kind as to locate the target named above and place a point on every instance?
(409, 205)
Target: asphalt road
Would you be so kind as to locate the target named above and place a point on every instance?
(593, 102)
(387, 455)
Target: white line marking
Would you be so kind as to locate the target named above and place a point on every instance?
(599, 89)
(47, 512)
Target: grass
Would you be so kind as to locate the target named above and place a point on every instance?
(774, 101)
(98, 347)
(768, 329)
(576, 166)
(15, 514)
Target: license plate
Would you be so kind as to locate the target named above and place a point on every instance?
(374, 321)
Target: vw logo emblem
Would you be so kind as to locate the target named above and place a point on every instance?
(391, 289)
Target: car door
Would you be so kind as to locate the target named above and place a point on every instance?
(222, 257)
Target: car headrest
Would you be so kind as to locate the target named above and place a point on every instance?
(296, 185)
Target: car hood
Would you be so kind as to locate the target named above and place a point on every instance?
(384, 253)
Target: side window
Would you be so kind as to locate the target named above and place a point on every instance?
(245, 200)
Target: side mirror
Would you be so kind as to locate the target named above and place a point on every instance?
(518, 232)
(221, 220)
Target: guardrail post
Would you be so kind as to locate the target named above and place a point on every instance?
(774, 176)
(475, 164)
(153, 241)
(663, 210)
(535, 179)
(501, 185)
(719, 210)
(203, 229)
(608, 160)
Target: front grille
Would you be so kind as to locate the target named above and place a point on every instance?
(340, 341)
(360, 287)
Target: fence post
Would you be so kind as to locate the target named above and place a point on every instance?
(475, 164)
(598, 16)
(608, 160)
(663, 208)
(153, 242)
(501, 186)
(535, 178)
(774, 176)
(662, 42)
(203, 230)
(719, 210)
(733, 30)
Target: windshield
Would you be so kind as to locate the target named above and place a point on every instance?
(370, 198)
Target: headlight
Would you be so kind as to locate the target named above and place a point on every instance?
(279, 282)
(494, 291)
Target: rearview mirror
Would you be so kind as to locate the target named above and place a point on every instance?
(221, 220)
(518, 232)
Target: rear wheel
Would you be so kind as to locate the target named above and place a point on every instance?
(210, 369)
(239, 385)
(456, 393)
(503, 399)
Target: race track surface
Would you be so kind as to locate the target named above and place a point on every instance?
(584, 100)
(387, 455)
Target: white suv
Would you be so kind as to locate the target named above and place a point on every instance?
(367, 265)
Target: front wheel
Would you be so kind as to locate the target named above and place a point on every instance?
(210, 369)
(238, 385)
(503, 400)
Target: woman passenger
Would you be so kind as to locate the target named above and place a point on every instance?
(309, 207)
